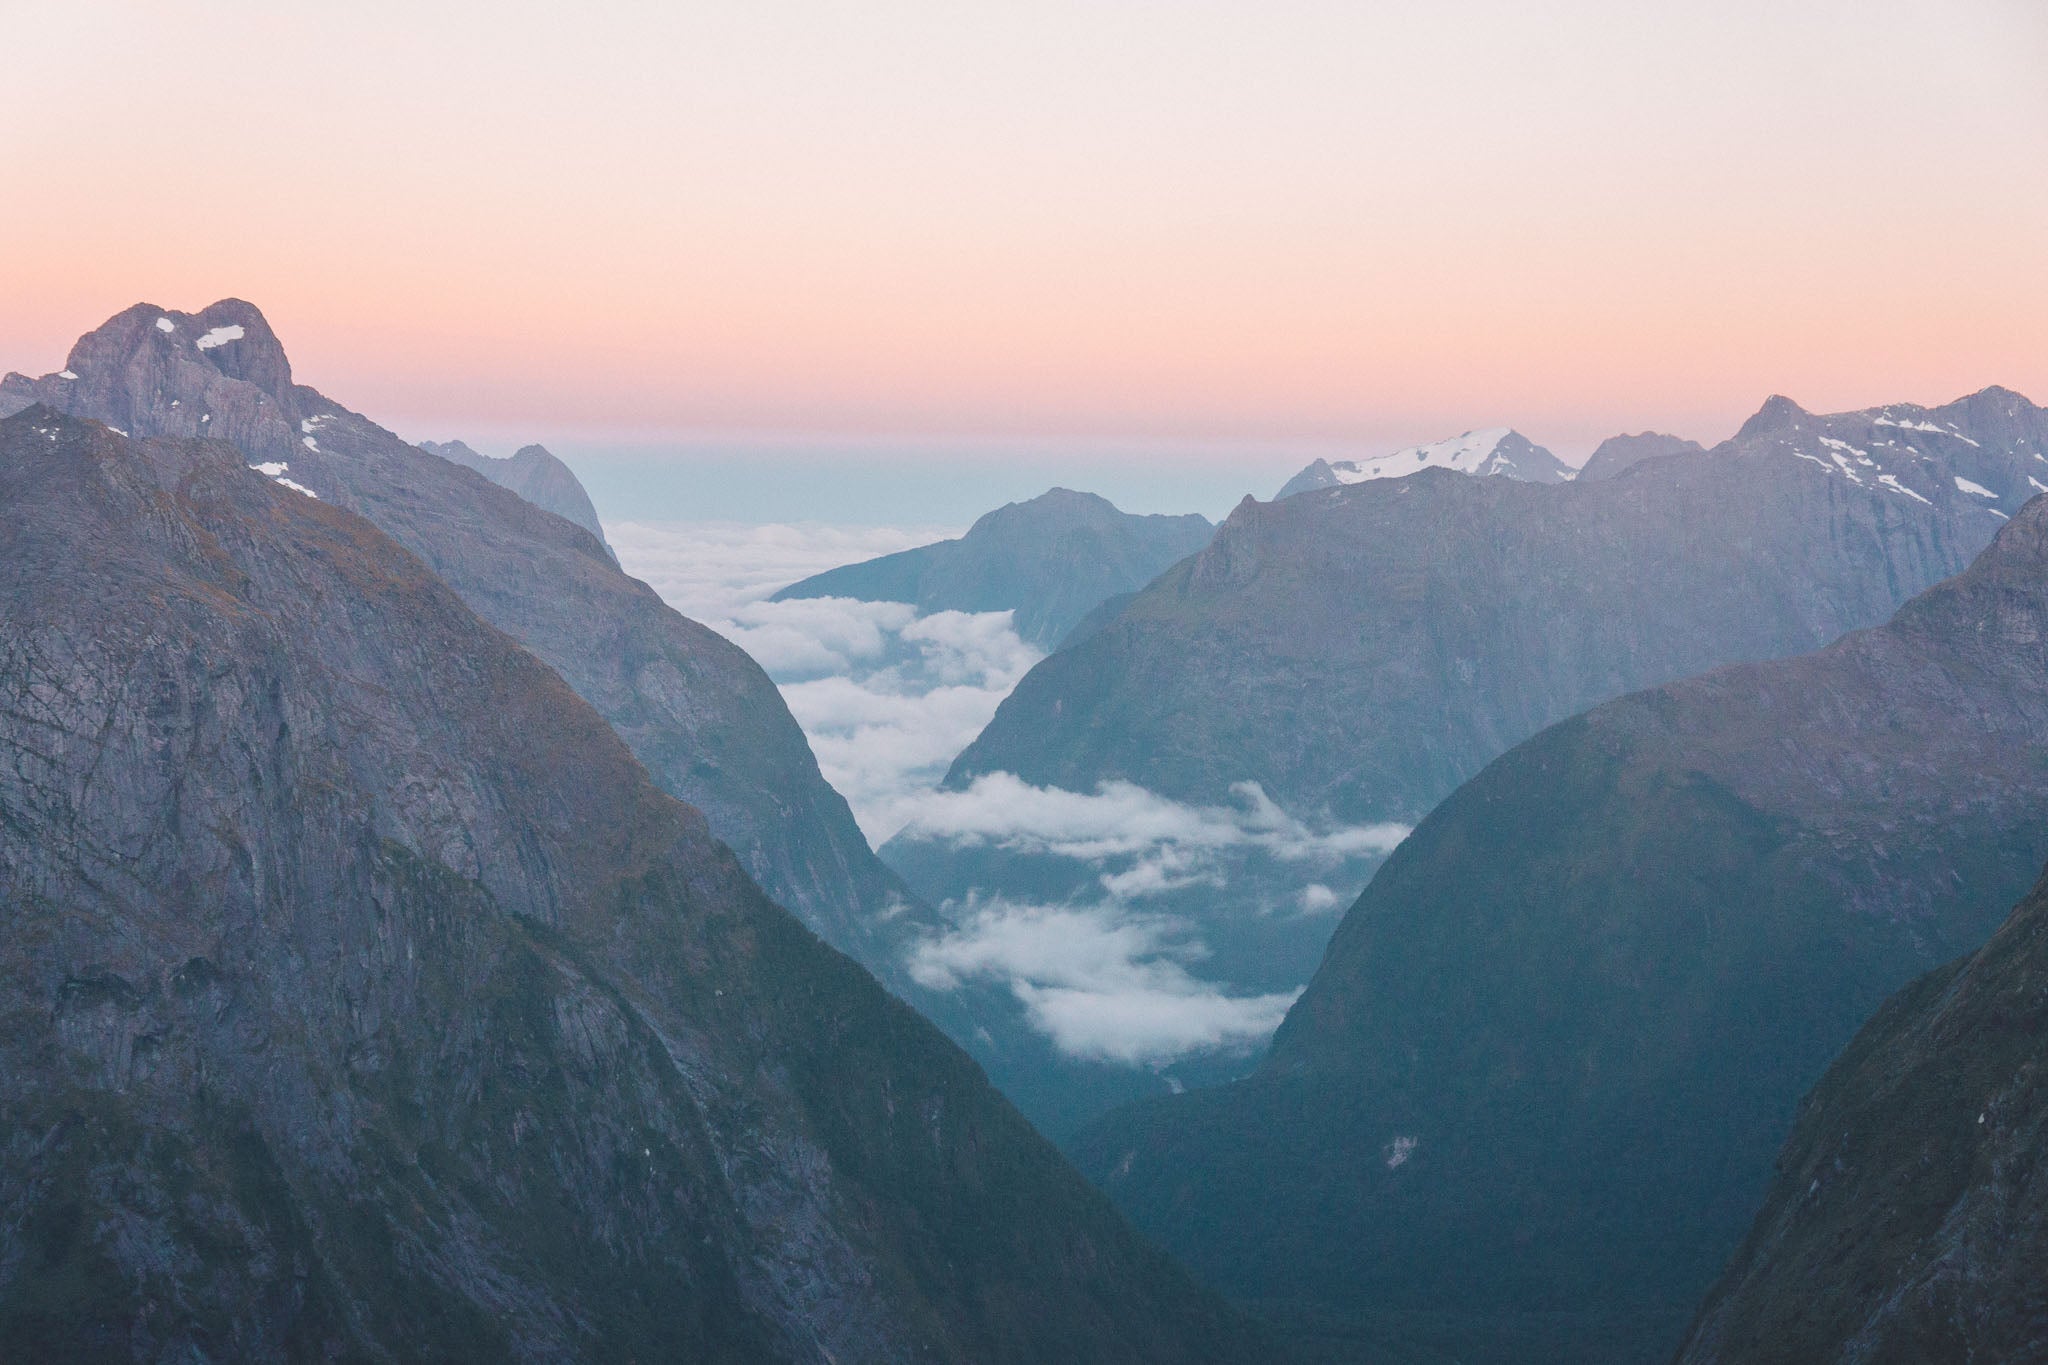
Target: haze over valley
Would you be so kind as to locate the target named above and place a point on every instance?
(967, 685)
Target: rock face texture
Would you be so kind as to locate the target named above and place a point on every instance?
(1909, 1218)
(533, 473)
(1543, 1070)
(697, 712)
(1051, 560)
(1365, 649)
(1499, 451)
(361, 998)
(1617, 453)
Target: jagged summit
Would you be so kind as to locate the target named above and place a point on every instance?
(695, 709)
(534, 473)
(1493, 451)
(1778, 414)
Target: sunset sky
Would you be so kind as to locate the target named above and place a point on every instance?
(1183, 227)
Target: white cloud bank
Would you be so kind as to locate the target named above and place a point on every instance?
(1101, 983)
(1112, 981)
(886, 696)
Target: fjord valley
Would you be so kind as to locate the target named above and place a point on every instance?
(366, 999)
(931, 684)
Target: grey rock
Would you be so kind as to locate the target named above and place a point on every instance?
(362, 998)
(702, 716)
(534, 473)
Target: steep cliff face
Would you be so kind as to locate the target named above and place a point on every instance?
(1909, 1218)
(696, 711)
(534, 473)
(1051, 561)
(360, 996)
(1545, 1064)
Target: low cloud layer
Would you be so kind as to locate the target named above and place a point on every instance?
(886, 696)
(1170, 844)
(1100, 982)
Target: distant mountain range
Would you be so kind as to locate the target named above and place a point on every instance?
(1909, 1216)
(702, 716)
(1359, 651)
(1534, 1091)
(365, 1000)
(1366, 648)
(1497, 451)
(1051, 561)
(533, 473)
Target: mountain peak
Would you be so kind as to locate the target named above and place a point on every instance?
(1778, 414)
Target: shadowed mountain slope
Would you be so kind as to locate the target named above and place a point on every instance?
(1546, 1062)
(361, 998)
(1909, 1218)
(697, 712)
(1365, 649)
(1051, 561)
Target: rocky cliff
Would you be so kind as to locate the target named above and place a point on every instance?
(534, 473)
(362, 998)
(697, 712)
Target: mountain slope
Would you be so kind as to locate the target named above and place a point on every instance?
(1617, 453)
(533, 473)
(1365, 649)
(1548, 1057)
(1051, 560)
(1909, 1217)
(1496, 451)
(361, 998)
(696, 711)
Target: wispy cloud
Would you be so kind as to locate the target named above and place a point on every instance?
(1100, 982)
(1173, 842)
(886, 696)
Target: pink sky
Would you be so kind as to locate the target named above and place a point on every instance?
(1203, 221)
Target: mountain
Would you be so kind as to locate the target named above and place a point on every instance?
(363, 998)
(1051, 561)
(697, 712)
(1497, 450)
(1364, 649)
(1617, 453)
(1909, 1217)
(533, 473)
(1541, 1074)
(1351, 655)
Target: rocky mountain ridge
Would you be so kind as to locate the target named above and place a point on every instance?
(361, 997)
(534, 473)
(1495, 451)
(696, 711)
